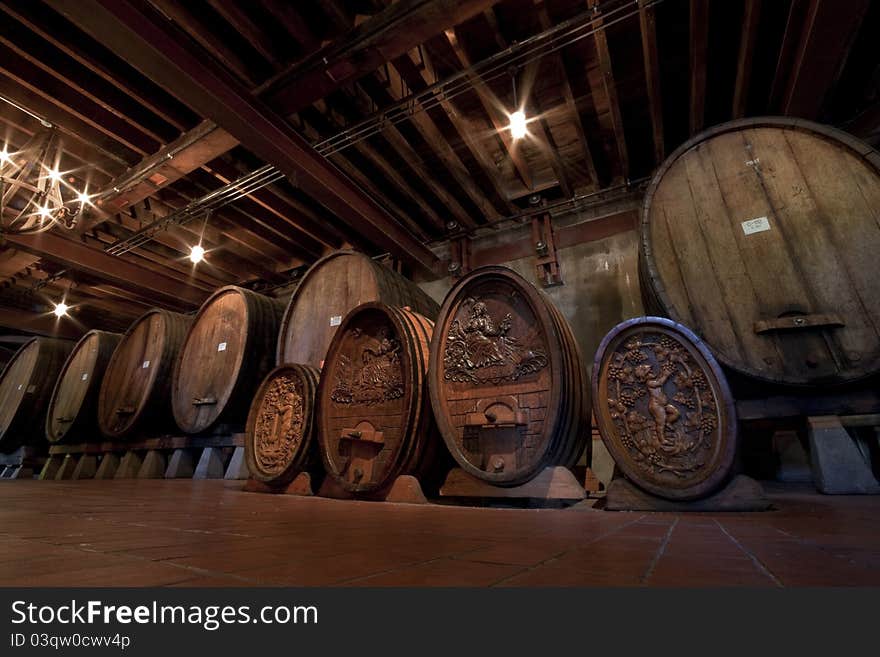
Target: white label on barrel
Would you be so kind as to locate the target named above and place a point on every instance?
(221, 346)
(85, 376)
(757, 225)
(336, 320)
(31, 388)
(145, 365)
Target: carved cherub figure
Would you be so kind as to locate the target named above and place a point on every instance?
(661, 410)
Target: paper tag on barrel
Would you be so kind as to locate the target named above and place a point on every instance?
(757, 225)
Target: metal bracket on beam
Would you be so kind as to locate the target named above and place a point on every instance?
(460, 256)
(546, 264)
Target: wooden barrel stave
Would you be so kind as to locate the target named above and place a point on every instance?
(135, 393)
(73, 407)
(331, 287)
(279, 435)
(374, 422)
(760, 234)
(501, 347)
(26, 385)
(228, 350)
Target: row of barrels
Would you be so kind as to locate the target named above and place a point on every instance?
(172, 372)
(746, 237)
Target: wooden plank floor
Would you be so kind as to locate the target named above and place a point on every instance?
(209, 533)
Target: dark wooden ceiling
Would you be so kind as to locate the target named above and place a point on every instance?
(228, 86)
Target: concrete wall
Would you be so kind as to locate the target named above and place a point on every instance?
(600, 289)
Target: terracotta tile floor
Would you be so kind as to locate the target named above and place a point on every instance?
(209, 533)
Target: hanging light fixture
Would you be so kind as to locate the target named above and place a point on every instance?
(60, 309)
(33, 194)
(196, 253)
(518, 117)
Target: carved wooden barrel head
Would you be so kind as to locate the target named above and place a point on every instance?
(25, 388)
(664, 408)
(136, 389)
(506, 379)
(373, 419)
(228, 350)
(279, 439)
(72, 411)
(332, 287)
(762, 236)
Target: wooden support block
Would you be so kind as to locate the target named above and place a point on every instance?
(554, 483)
(128, 466)
(838, 466)
(329, 488)
(210, 464)
(50, 467)
(794, 464)
(406, 490)
(86, 467)
(181, 465)
(108, 466)
(301, 485)
(17, 472)
(741, 494)
(68, 465)
(153, 466)
(237, 468)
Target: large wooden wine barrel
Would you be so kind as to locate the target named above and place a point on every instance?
(664, 409)
(73, 408)
(507, 380)
(229, 349)
(136, 390)
(279, 438)
(374, 422)
(762, 236)
(25, 388)
(328, 291)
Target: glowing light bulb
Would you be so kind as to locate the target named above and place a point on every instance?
(196, 253)
(45, 212)
(60, 309)
(518, 124)
(83, 198)
(4, 156)
(55, 175)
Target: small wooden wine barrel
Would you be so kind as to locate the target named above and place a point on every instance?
(229, 349)
(73, 408)
(507, 380)
(136, 389)
(762, 236)
(328, 291)
(25, 388)
(279, 438)
(664, 409)
(374, 422)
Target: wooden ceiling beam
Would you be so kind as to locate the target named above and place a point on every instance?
(571, 107)
(699, 42)
(383, 96)
(66, 42)
(242, 23)
(651, 56)
(94, 262)
(609, 87)
(392, 32)
(418, 78)
(152, 45)
(73, 103)
(491, 107)
(748, 37)
(825, 41)
(38, 323)
(309, 122)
